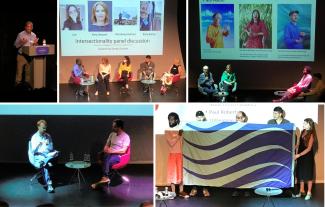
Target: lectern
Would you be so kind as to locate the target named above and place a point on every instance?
(38, 66)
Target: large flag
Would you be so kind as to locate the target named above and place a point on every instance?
(238, 155)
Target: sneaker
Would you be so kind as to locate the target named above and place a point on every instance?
(50, 189)
(96, 94)
(235, 194)
(308, 197)
(193, 192)
(296, 195)
(206, 192)
(183, 194)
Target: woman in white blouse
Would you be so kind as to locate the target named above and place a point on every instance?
(104, 72)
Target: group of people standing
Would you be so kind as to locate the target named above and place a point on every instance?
(303, 153)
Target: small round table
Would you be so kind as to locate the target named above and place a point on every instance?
(77, 165)
(268, 192)
(222, 95)
(149, 83)
(87, 83)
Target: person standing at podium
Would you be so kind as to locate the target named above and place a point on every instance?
(24, 38)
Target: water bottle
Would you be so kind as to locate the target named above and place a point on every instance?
(44, 42)
(166, 191)
(71, 156)
(87, 157)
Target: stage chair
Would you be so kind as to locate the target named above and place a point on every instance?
(120, 80)
(221, 88)
(124, 160)
(172, 85)
(39, 173)
(76, 82)
(115, 176)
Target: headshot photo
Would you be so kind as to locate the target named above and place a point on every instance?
(99, 16)
(125, 16)
(255, 26)
(150, 15)
(72, 17)
(294, 26)
(217, 28)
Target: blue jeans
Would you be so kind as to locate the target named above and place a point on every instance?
(109, 161)
(46, 176)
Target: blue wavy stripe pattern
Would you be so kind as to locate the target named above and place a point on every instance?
(272, 137)
(256, 141)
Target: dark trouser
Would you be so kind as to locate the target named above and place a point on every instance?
(124, 78)
(102, 81)
(227, 88)
(109, 161)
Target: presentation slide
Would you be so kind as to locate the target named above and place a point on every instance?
(257, 29)
(116, 27)
(258, 113)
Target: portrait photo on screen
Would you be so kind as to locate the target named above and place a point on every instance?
(99, 16)
(255, 26)
(125, 16)
(150, 15)
(294, 26)
(72, 17)
(217, 25)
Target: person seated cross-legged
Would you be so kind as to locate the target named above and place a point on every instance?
(117, 144)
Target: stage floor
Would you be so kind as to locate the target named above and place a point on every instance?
(221, 197)
(242, 96)
(16, 189)
(136, 94)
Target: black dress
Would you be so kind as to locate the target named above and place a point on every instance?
(305, 163)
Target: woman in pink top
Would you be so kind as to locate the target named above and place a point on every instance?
(174, 138)
(296, 89)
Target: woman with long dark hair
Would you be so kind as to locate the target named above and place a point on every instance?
(256, 31)
(125, 71)
(305, 158)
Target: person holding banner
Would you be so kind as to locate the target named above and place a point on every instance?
(174, 137)
(278, 116)
(200, 116)
(305, 158)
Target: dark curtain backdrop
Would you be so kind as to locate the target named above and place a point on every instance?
(76, 134)
(181, 20)
(12, 20)
(254, 74)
